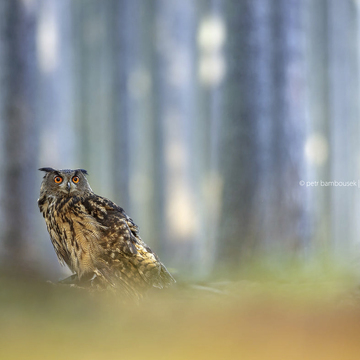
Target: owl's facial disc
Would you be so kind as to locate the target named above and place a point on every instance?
(64, 183)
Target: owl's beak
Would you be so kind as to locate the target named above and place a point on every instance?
(68, 186)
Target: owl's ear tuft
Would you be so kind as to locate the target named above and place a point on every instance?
(47, 169)
(84, 171)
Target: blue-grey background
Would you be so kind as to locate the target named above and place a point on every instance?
(200, 118)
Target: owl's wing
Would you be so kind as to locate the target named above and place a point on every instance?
(116, 233)
(149, 265)
(121, 241)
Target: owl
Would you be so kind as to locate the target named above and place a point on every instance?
(95, 238)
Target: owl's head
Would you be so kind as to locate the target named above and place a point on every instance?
(64, 182)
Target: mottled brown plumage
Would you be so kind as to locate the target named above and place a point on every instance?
(95, 238)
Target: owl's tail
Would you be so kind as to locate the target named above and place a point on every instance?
(165, 279)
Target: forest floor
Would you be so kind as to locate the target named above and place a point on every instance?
(290, 317)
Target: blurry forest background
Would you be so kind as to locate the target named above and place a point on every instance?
(209, 122)
(200, 118)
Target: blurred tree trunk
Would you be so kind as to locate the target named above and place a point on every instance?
(176, 84)
(333, 79)
(290, 230)
(135, 35)
(264, 112)
(211, 38)
(93, 46)
(343, 95)
(319, 128)
(55, 97)
(20, 149)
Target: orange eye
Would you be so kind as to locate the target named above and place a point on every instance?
(58, 179)
(75, 179)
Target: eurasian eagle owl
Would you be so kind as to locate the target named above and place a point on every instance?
(95, 238)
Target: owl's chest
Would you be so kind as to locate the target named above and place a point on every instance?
(59, 226)
(74, 235)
